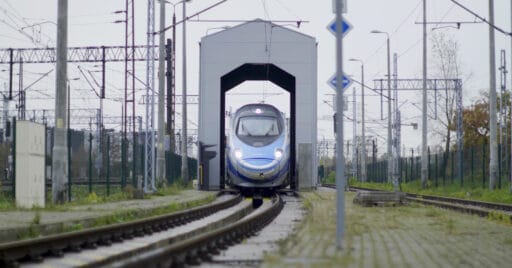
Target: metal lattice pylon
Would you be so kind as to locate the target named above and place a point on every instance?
(149, 138)
(436, 84)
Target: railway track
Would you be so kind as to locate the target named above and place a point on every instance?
(11, 254)
(463, 205)
(177, 238)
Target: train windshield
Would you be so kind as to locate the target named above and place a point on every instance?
(258, 126)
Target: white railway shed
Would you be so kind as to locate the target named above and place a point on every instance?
(258, 50)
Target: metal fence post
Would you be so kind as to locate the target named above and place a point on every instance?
(123, 163)
(436, 168)
(429, 171)
(134, 161)
(461, 166)
(406, 168)
(400, 167)
(499, 166)
(45, 159)
(445, 156)
(418, 167)
(69, 164)
(412, 164)
(108, 165)
(472, 165)
(483, 164)
(13, 159)
(452, 162)
(90, 163)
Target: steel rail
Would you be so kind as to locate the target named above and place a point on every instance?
(481, 208)
(12, 252)
(200, 248)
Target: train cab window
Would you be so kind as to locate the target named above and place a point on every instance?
(252, 126)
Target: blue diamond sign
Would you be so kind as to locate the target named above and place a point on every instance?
(346, 82)
(345, 26)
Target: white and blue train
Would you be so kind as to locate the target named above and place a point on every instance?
(258, 150)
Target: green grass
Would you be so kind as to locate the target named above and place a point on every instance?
(131, 215)
(6, 202)
(471, 191)
(80, 195)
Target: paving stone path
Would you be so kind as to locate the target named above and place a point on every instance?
(407, 236)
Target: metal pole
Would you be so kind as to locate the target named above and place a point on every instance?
(173, 84)
(396, 149)
(13, 167)
(102, 96)
(69, 161)
(493, 146)
(169, 110)
(149, 155)
(160, 152)
(363, 142)
(60, 150)
(424, 169)
(184, 162)
(354, 134)
(501, 119)
(389, 114)
(108, 165)
(21, 97)
(125, 109)
(90, 162)
(134, 135)
(340, 160)
(510, 168)
(11, 63)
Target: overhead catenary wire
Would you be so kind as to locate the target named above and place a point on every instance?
(394, 31)
(407, 50)
(482, 18)
(189, 17)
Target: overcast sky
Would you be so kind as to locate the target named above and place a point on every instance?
(91, 24)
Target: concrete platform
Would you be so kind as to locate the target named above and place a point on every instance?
(20, 223)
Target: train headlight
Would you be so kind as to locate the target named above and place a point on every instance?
(238, 154)
(278, 153)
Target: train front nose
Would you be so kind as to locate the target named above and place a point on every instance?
(259, 168)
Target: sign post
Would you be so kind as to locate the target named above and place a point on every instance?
(340, 82)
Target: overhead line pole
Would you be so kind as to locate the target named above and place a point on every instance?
(184, 154)
(173, 84)
(354, 134)
(390, 159)
(60, 145)
(424, 122)
(510, 52)
(149, 139)
(160, 152)
(170, 92)
(134, 135)
(363, 144)
(493, 144)
(11, 63)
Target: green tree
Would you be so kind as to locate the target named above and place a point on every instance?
(475, 120)
(445, 64)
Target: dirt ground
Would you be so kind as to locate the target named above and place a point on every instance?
(407, 236)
